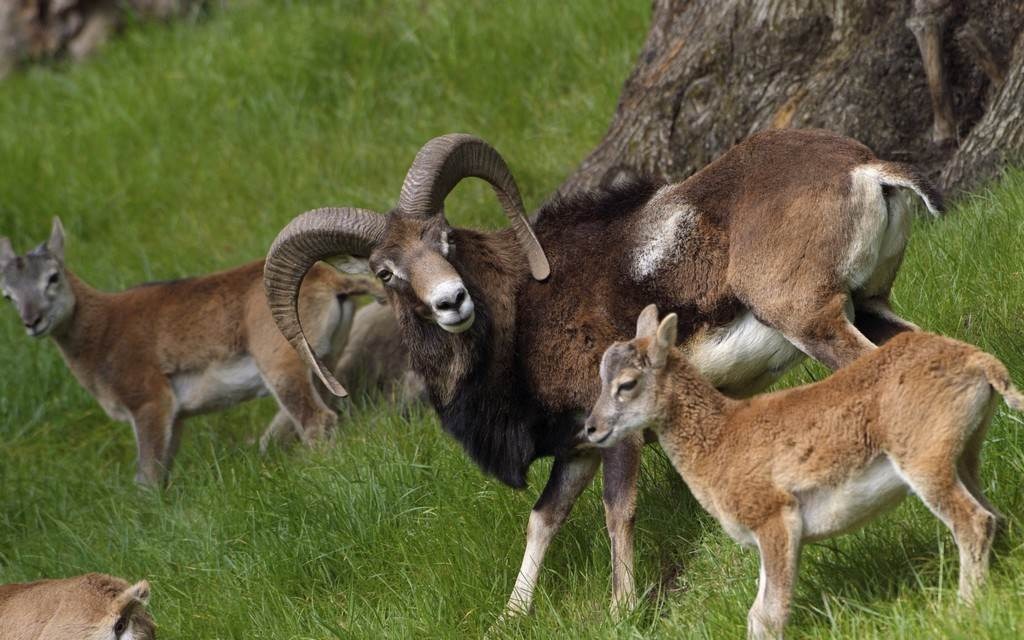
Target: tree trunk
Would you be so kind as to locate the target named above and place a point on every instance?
(908, 78)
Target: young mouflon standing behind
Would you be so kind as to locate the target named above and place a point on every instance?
(158, 353)
(815, 461)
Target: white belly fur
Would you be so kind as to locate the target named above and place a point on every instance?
(830, 511)
(744, 355)
(219, 386)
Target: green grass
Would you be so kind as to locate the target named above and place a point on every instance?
(183, 149)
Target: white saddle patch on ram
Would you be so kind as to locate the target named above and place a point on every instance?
(743, 356)
(830, 511)
(879, 235)
(665, 224)
(220, 385)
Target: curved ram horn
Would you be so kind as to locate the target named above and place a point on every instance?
(446, 160)
(315, 235)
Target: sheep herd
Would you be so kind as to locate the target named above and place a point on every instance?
(786, 246)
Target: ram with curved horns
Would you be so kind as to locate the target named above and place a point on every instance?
(786, 245)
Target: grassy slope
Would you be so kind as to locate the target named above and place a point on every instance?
(184, 149)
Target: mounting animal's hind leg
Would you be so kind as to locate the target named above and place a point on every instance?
(823, 332)
(621, 471)
(876, 320)
(282, 431)
(569, 477)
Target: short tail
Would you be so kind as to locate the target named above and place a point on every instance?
(898, 174)
(999, 379)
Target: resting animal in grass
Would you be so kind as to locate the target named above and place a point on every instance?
(89, 607)
(158, 353)
(816, 461)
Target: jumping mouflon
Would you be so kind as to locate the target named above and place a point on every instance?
(89, 607)
(158, 353)
(785, 246)
(816, 461)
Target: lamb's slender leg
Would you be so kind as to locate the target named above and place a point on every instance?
(779, 541)
(927, 21)
(973, 526)
(153, 423)
(621, 471)
(569, 477)
(969, 465)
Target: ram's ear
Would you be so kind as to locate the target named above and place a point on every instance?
(6, 252)
(351, 265)
(665, 339)
(55, 244)
(647, 323)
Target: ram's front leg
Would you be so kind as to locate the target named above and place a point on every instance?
(621, 472)
(569, 477)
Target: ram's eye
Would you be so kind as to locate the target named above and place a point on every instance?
(384, 275)
(627, 385)
(54, 278)
(120, 626)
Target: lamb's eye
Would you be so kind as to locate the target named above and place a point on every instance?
(54, 278)
(384, 275)
(627, 385)
(120, 626)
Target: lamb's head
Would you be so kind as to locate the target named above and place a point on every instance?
(37, 283)
(632, 375)
(93, 606)
(410, 249)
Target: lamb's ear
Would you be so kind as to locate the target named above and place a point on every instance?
(55, 245)
(138, 593)
(657, 353)
(647, 323)
(6, 252)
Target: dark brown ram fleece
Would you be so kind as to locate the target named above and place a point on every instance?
(765, 255)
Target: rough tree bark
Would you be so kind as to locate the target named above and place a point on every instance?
(925, 81)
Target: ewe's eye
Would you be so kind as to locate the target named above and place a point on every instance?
(384, 275)
(54, 278)
(627, 385)
(120, 626)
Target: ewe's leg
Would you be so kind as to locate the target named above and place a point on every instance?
(779, 542)
(281, 430)
(972, 525)
(876, 320)
(153, 422)
(621, 470)
(569, 477)
(291, 383)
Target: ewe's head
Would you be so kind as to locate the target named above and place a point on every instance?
(37, 284)
(93, 606)
(411, 249)
(630, 375)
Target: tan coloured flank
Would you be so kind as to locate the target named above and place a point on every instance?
(89, 607)
(812, 462)
(158, 353)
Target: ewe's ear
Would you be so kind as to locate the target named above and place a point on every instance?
(6, 252)
(138, 593)
(657, 353)
(647, 323)
(55, 245)
(351, 265)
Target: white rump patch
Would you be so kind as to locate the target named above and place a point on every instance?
(743, 356)
(664, 225)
